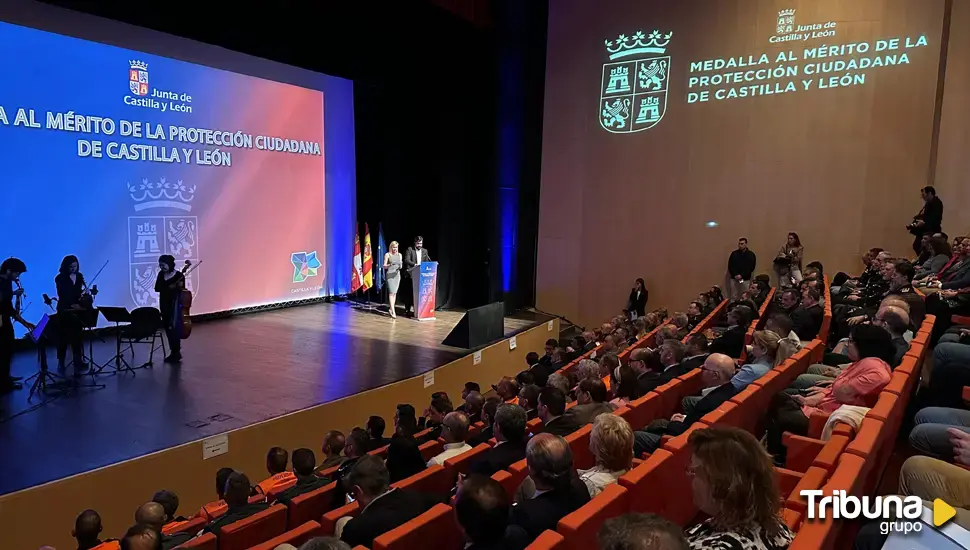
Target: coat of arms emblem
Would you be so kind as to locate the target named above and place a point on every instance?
(138, 77)
(633, 87)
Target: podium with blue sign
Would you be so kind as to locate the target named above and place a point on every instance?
(424, 277)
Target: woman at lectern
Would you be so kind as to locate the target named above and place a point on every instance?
(70, 288)
(393, 261)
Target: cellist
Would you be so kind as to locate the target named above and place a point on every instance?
(169, 286)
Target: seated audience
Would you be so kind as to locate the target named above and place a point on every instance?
(807, 317)
(587, 368)
(454, 431)
(170, 504)
(303, 463)
(733, 482)
(467, 389)
(381, 508)
(279, 479)
(695, 314)
(558, 381)
(680, 322)
(768, 350)
(718, 370)
(666, 332)
(870, 349)
(611, 442)
(931, 434)
(938, 252)
(640, 328)
(375, 429)
(322, 543)
(435, 414)
(87, 530)
(694, 353)
(404, 457)
(217, 507)
(552, 405)
(781, 324)
(473, 406)
(548, 349)
(590, 401)
(558, 491)
(623, 382)
(357, 446)
(951, 372)
(525, 378)
(507, 388)
(529, 400)
(237, 494)
(152, 514)
(731, 341)
(488, 418)
(590, 337)
(648, 368)
(672, 353)
(640, 532)
(333, 446)
(607, 364)
(141, 537)
(541, 369)
(510, 439)
(482, 510)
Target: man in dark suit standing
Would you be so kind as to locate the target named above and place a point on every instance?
(559, 491)
(930, 218)
(382, 509)
(414, 255)
(510, 435)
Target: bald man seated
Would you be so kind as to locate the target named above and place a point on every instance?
(152, 514)
(454, 430)
(716, 373)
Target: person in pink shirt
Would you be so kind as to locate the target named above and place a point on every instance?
(871, 351)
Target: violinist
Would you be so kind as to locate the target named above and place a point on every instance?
(70, 295)
(169, 286)
(10, 271)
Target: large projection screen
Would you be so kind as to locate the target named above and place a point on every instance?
(118, 155)
(672, 128)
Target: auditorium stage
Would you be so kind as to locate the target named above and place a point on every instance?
(237, 371)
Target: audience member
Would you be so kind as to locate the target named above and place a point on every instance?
(357, 445)
(381, 508)
(482, 510)
(454, 431)
(141, 537)
(807, 317)
(733, 482)
(237, 494)
(324, 543)
(488, 418)
(672, 353)
(507, 388)
(473, 406)
(529, 400)
(717, 372)
(782, 325)
(648, 368)
(788, 261)
(87, 530)
(279, 478)
(552, 405)
(641, 532)
(333, 446)
(558, 490)
(870, 349)
(624, 386)
(607, 364)
(303, 462)
(375, 429)
(611, 442)
(404, 457)
(590, 401)
(558, 381)
(170, 504)
(217, 507)
(435, 414)
(731, 341)
(525, 378)
(510, 436)
(152, 514)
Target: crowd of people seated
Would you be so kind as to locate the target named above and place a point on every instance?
(582, 381)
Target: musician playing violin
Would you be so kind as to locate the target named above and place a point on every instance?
(10, 271)
(71, 292)
(169, 286)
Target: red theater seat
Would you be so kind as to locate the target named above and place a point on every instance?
(255, 529)
(310, 506)
(296, 537)
(207, 541)
(435, 528)
(580, 527)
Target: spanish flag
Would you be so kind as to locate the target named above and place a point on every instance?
(358, 278)
(368, 260)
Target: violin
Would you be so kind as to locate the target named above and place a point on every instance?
(186, 299)
(88, 293)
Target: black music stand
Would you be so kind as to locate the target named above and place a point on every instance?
(117, 315)
(49, 331)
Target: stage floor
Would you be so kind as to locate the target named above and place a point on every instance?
(236, 371)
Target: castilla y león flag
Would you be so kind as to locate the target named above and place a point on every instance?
(358, 278)
(368, 260)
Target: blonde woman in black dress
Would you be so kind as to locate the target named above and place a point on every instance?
(392, 267)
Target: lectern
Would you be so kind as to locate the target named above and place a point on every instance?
(424, 277)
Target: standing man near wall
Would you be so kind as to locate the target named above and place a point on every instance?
(930, 217)
(741, 266)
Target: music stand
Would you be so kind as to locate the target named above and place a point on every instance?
(48, 329)
(117, 315)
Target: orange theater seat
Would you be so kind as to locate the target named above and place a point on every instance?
(436, 480)
(255, 529)
(328, 522)
(578, 441)
(296, 537)
(207, 541)
(787, 480)
(548, 540)
(791, 518)
(108, 545)
(644, 410)
(430, 449)
(380, 451)
(460, 464)
(805, 452)
(193, 525)
(506, 480)
(812, 480)
(580, 527)
(437, 524)
(310, 506)
(692, 384)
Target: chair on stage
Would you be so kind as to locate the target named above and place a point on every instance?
(145, 329)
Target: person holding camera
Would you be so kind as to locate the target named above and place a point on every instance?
(930, 217)
(788, 262)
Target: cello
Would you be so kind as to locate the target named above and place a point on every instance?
(185, 312)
